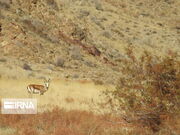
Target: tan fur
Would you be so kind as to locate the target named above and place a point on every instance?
(37, 87)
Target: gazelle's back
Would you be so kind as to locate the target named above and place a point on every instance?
(35, 86)
(36, 89)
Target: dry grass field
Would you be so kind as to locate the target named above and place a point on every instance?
(70, 95)
(67, 108)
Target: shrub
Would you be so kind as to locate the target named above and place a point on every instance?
(53, 4)
(0, 24)
(59, 62)
(26, 67)
(148, 90)
(97, 82)
(59, 122)
(3, 60)
(5, 4)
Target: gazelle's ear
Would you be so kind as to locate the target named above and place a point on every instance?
(49, 79)
(45, 80)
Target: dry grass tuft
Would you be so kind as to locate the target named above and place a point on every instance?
(69, 100)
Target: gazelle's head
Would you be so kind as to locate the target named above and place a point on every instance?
(46, 83)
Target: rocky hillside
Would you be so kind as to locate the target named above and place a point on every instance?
(83, 39)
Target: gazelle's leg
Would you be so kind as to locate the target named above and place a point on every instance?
(29, 95)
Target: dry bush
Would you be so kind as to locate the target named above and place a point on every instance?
(34, 25)
(97, 82)
(59, 62)
(0, 25)
(5, 4)
(79, 33)
(26, 67)
(53, 4)
(69, 100)
(148, 91)
(3, 60)
(60, 122)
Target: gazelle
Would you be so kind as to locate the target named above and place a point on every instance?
(38, 89)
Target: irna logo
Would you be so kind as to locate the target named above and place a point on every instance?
(19, 106)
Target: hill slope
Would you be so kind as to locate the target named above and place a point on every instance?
(82, 39)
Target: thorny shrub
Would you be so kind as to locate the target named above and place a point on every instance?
(148, 92)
